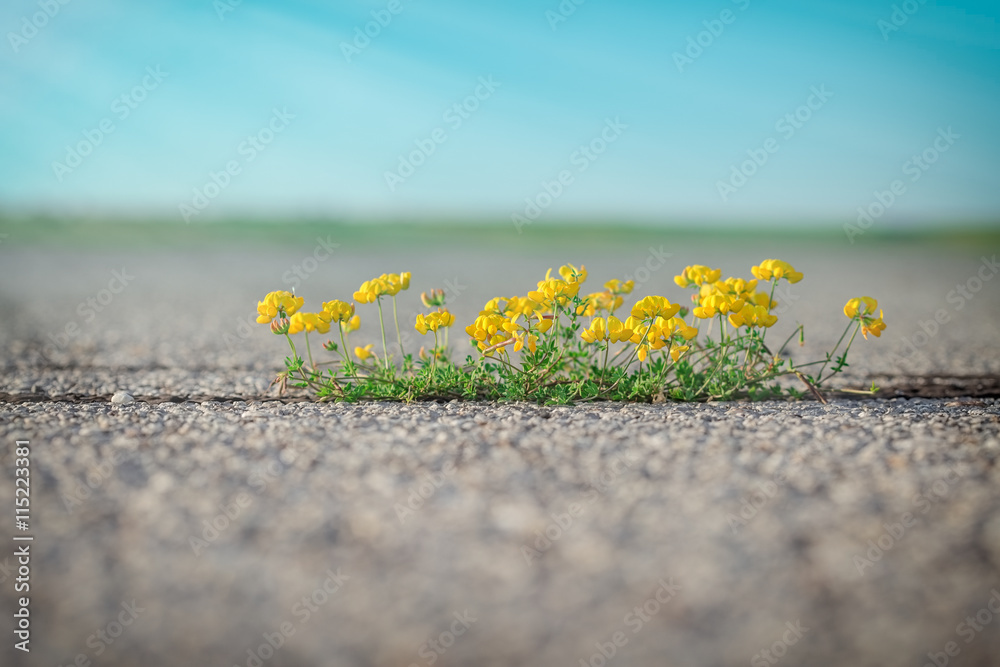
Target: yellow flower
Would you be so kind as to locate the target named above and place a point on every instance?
(371, 290)
(616, 286)
(570, 273)
(493, 307)
(394, 282)
(525, 339)
(677, 350)
(872, 325)
(553, 292)
(487, 331)
(308, 322)
(364, 353)
(613, 330)
(678, 326)
(520, 305)
(777, 269)
(339, 311)
(352, 324)
(654, 306)
(434, 321)
(752, 316)
(280, 303)
(853, 307)
(607, 301)
(697, 274)
(863, 309)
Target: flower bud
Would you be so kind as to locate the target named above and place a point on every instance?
(435, 298)
(280, 326)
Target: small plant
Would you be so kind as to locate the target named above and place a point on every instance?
(554, 345)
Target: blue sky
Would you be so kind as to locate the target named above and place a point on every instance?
(683, 126)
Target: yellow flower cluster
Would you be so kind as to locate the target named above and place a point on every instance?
(434, 321)
(735, 297)
(653, 324)
(388, 284)
(608, 301)
(863, 310)
(614, 330)
(775, 268)
(278, 304)
(660, 332)
(697, 275)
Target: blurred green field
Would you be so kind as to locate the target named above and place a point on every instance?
(484, 235)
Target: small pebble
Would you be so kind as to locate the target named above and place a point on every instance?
(122, 398)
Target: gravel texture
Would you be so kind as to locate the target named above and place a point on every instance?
(855, 533)
(548, 526)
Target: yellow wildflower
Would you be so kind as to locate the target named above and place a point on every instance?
(752, 316)
(434, 321)
(370, 290)
(697, 274)
(280, 303)
(570, 273)
(339, 311)
(863, 309)
(777, 269)
(553, 292)
(873, 325)
(853, 307)
(616, 286)
(654, 306)
(613, 330)
(352, 324)
(364, 353)
(308, 322)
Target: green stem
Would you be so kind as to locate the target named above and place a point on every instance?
(839, 341)
(346, 353)
(395, 319)
(843, 357)
(381, 324)
(309, 352)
